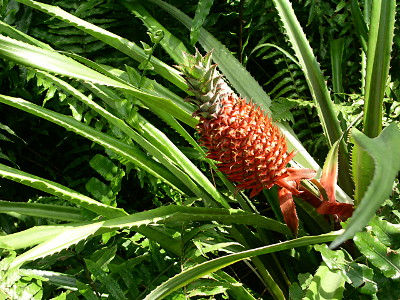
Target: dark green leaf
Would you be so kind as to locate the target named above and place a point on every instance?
(109, 283)
(86, 291)
(382, 257)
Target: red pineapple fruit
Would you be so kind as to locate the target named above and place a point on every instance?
(249, 148)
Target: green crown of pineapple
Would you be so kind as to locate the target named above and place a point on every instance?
(206, 84)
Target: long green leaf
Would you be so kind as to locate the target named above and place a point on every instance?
(119, 43)
(208, 267)
(56, 63)
(53, 239)
(60, 191)
(172, 213)
(129, 152)
(55, 278)
(380, 40)
(336, 49)
(383, 151)
(52, 61)
(65, 213)
(160, 140)
(154, 88)
(317, 86)
(66, 238)
(19, 35)
(311, 69)
(30, 237)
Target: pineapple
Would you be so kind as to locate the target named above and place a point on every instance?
(248, 147)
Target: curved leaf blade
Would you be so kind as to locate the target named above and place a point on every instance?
(66, 238)
(56, 63)
(29, 237)
(52, 61)
(208, 267)
(312, 71)
(384, 152)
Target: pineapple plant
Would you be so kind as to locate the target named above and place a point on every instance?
(249, 148)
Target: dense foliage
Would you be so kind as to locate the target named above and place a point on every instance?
(105, 193)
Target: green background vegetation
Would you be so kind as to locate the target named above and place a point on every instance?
(105, 192)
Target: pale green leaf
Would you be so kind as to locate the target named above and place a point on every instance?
(66, 238)
(29, 237)
(325, 285)
(317, 85)
(380, 40)
(383, 150)
(65, 213)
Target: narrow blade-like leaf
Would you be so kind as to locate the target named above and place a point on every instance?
(60, 191)
(316, 82)
(129, 152)
(120, 43)
(58, 212)
(208, 267)
(380, 40)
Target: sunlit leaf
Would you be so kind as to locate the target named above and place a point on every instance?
(383, 150)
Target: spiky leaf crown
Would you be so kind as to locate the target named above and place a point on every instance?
(206, 84)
